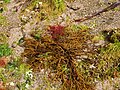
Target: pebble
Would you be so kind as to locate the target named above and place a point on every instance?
(84, 56)
(85, 50)
(14, 45)
(12, 84)
(101, 42)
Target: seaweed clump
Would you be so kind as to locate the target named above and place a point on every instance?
(58, 51)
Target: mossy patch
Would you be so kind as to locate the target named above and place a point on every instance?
(109, 62)
(14, 71)
(5, 50)
(3, 20)
(3, 37)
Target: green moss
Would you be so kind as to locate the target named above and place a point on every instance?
(79, 27)
(6, 1)
(3, 37)
(3, 20)
(5, 50)
(109, 61)
(116, 9)
(59, 5)
(14, 71)
(97, 38)
(115, 37)
(112, 35)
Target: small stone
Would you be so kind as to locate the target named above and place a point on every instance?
(89, 42)
(14, 45)
(92, 66)
(85, 50)
(1, 2)
(77, 57)
(27, 10)
(42, 70)
(24, 18)
(27, 86)
(84, 56)
(101, 42)
(79, 60)
(40, 3)
(12, 84)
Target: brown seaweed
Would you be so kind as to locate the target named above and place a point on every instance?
(59, 55)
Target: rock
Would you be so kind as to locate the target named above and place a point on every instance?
(3, 61)
(101, 42)
(14, 45)
(84, 56)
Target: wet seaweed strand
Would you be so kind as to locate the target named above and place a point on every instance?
(76, 78)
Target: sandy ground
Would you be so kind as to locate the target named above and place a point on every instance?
(105, 21)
